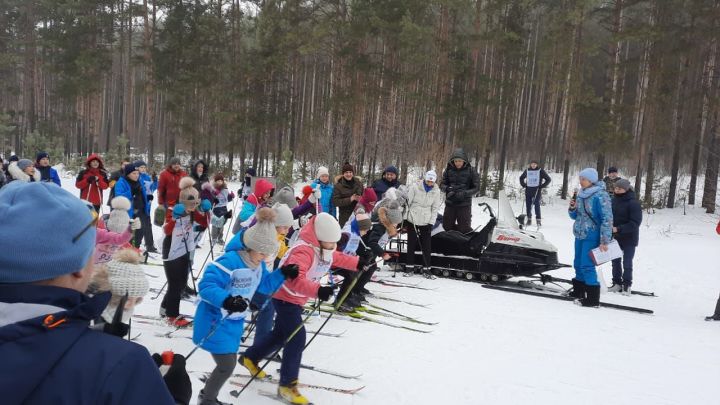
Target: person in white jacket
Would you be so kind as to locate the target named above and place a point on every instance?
(424, 200)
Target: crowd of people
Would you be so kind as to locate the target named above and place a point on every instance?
(87, 271)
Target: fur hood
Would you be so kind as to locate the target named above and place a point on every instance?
(355, 178)
(18, 174)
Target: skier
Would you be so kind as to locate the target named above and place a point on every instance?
(169, 183)
(115, 232)
(24, 171)
(351, 243)
(49, 354)
(264, 190)
(220, 212)
(314, 254)
(389, 179)
(424, 200)
(610, 180)
(592, 211)
(367, 201)
(149, 184)
(627, 217)
(247, 184)
(322, 181)
(92, 180)
(534, 179)
(225, 290)
(182, 223)
(47, 173)
(715, 316)
(460, 184)
(347, 191)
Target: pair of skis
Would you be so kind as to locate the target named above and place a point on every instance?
(348, 391)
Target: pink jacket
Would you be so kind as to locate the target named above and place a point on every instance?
(107, 243)
(302, 288)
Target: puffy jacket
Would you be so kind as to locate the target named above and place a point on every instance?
(627, 217)
(306, 255)
(342, 193)
(48, 174)
(423, 205)
(59, 360)
(124, 189)
(326, 194)
(17, 174)
(252, 203)
(459, 185)
(169, 187)
(381, 186)
(214, 288)
(593, 215)
(148, 183)
(199, 180)
(92, 191)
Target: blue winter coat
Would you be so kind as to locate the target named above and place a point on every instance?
(51, 361)
(627, 217)
(148, 184)
(48, 175)
(381, 186)
(122, 188)
(326, 191)
(593, 216)
(214, 289)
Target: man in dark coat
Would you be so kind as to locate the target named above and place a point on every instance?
(533, 180)
(347, 192)
(460, 184)
(49, 354)
(627, 217)
(389, 179)
(610, 180)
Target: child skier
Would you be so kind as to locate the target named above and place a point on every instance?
(259, 198)
(220, 213)
(116, 232)
(314, 254)
(225, 290)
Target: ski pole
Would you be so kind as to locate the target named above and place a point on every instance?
(160, 292)
(253, 320)
(212, 332)
(232, 218)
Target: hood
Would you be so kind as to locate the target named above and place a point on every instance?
(18, 174)
(262, 186)
(629, 195)
(94, 156)
(307, 233)
(458, 154)
(369, 197)
(339, 178)
(193, 171)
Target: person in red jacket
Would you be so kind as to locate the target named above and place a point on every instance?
(92, 180)
(314, 254)
(169, 184)
(716, 315)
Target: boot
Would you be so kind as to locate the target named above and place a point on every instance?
(529, 221)
(178, 322)
(291, 394)
(163, 313)
(427, 273)
(615, 287)
(539, 222)
(208, 401)
(252, 368)
(578, 290)
(593, 296)
(626, 290)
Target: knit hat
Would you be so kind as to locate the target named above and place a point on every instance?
(129, 168)
(283, 215)
(119, 219)
(394, 212)
(612, 169)
(48, 232)
(363, 220)
(368, 199)
(322, 170)
(262, 237)
(23, 164)
(218, 177)
(251, 171)
(126, 276)
(41, 155)
(189, 196)
(14, 158)
(139, 163)
(347, 167)
(286, 196)
(590, 174)
(623, 184)
(327, 228)
(174, 161)
(431, 176)
(391, 169)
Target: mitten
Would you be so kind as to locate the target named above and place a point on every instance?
(290, 271)
(235, 304)
(178, 211)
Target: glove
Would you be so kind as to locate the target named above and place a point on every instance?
(228, 215)
(450, 195)
(91, 179)
(324, 293)
(176, 378)
(135, 224)
(116, 329)
(459, 195)
(205, 206)
(216, 201)
(151, 197)
(315, 196)
(235, 304)
(178, 211)
(290, 271)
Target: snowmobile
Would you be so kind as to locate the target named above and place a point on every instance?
(495, 251)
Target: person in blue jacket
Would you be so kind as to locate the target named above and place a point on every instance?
(49, 353)
(149, 184)
(323, 182)
(130, 187)
(592, 212)
(47, 173)
(226, 288)
(388, 180)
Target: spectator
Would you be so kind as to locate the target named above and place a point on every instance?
(199, 173)
(115, 176)
(389, 179)
(247, 183)
(129, 187)
(533, 180)
(424, 200)
(716, 315)
(3, 178)
(460, 184)
(92, 180)
(346, 193)
(627, 217)
(610, 180)
(47, 173)
(169, 184)
(326, 189)
(23, 170)
(149, 185)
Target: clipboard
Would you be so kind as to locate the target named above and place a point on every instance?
(613, 252)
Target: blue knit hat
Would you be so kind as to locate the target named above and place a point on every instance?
(130, 167)
(39, 222)
(41, 155)
(391, 169)
(590, 174)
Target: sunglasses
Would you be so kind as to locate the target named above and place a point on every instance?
(93, 223)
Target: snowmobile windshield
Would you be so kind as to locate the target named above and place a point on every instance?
(504, 214)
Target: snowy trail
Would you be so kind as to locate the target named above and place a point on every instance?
(492, 347)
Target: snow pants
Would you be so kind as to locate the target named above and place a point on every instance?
(622, 268)
(288, 319)
(264, 321)
(145, 232)
(225, 364)
(176, 272)
(584, 265)
(424, 233)
(460, 215)
(532, 198)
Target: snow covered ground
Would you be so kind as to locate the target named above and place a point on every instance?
(493, 347)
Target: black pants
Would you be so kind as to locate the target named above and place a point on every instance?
(176, 272)
(145, 232)
(457, 218)
(717, 309)
(348, 277)
(533, 196)
(424, 232)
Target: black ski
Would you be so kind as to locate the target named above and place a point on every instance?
(546, 278)
(565, 298)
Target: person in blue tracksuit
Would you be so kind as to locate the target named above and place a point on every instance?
(592, 211)
(227, 286)
(326, 190)
(49, 353)
(533, 180)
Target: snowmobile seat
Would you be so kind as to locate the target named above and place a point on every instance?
(451, 243)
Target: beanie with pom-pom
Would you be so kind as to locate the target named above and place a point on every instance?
(327, 228)
(283, 215)
(189, 196)
(119, 218)
(262, 237)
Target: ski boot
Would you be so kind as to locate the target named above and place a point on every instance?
(188, 293)
(151, 249)
(253, 368)
(712, 318)
(529, 221)
(179, 322)
(291, 394)
(427, 273)
(207, 401)
(410, 270)
(615, 287)
(626, 290)
(593, 297)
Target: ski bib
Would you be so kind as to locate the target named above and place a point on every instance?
(104, 253)
(183, 238)
(354, 241)
(317, 271)
(533, 178)
(243, 282)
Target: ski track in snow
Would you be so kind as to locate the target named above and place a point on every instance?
(492, 347)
